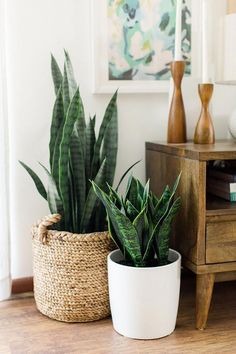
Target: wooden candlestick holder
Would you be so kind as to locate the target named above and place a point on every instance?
(204, 133)
(177, 122)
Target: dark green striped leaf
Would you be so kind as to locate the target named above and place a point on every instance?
(37, 181)
(64, 150)
(110, 147)
(163, 236)
(111, 108)
(70, 75)
(124, 229)
(78, 167)
(54, 200)
(56, 155)
(57, 120)
(56, 74)
(66, 91)
(92, 199)
(90, 142)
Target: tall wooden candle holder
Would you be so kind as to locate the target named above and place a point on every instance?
(177, 121)
(204, 133)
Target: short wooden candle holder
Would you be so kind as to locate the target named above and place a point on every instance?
(204, 133)
(177, 122)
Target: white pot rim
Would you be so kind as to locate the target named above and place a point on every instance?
(145, 269)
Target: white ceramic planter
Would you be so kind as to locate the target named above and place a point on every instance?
(144, 301)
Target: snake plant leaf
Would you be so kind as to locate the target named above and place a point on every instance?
(56, 155)
(131, 193)
(130, 210)
(73, 201)
(80, 126)
(159, 221)
(164, 200)
(115, 198)
(56, 74)
(66, 91)
(161, 205)
(37, 181)
(163, 237)
(139, 224)
(78, 167)
(110, 111)
(110, 146)
(64, 152)
(113, 235)
(57, 119)
(146, 194)
(124, 229)
(90, 142)
(125, 174)
(54, 200)
(70, 75)
(92, 199)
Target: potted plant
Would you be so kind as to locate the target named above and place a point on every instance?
(69, 260)
(144, 274)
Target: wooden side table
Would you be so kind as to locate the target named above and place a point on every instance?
(205, 229)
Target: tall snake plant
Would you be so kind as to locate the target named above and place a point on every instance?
(77, 156)
(140, 223)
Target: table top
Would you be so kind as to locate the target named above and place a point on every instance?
(221, 150)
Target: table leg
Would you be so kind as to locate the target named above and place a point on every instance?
(204, 289)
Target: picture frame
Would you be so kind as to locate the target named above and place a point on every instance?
(102, 83)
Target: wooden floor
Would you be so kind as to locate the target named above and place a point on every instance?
(24, 330)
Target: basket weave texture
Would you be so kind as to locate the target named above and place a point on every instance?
(70, 273)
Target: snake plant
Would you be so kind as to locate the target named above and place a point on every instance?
(139, 222)
(77, 156)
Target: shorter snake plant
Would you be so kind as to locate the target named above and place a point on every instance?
(139, 222)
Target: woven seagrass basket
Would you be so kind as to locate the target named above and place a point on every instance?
(70, 273)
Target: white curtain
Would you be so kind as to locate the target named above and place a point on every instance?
(5, 279)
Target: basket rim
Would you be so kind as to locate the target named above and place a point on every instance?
(71, 237)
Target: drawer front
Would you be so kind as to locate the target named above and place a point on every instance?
(221, 242)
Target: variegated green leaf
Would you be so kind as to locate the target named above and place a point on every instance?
(110, 147)
(111, 108)
(163, 237)
(64, 150)
(37, 181)
(162, 217)
(54, 200)
(66, 92)
(70, 75)
(91, 201)
(57, 121)
(78, 167)
(56, 74)
(90, 142)
(124, 229)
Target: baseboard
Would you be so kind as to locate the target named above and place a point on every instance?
(22, 285)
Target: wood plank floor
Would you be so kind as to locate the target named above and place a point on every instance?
(24, 330)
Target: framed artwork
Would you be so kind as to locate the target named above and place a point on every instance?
(133, 43)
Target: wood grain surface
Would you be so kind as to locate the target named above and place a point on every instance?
(223, 150)
(23, 330)
(188, 235)
(221, 242)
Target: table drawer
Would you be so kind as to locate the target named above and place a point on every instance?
(221, 242)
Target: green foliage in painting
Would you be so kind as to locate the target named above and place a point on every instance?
(76, 156)
(139, 222)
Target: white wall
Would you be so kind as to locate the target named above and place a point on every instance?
(34, 29)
